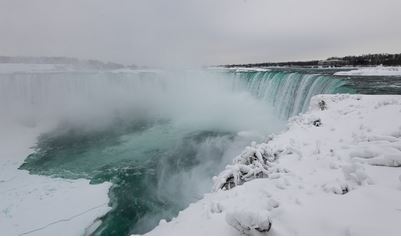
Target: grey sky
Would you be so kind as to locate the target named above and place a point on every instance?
(159, 32)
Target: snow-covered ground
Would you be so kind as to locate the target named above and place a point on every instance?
(250, 69)
(335, 171)
(373, 71)
(39, 205)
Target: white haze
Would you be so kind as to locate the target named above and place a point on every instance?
(189, 99)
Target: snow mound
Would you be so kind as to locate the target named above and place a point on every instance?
(373, 71)
(334, 171)
(249, 222)
(250, 69)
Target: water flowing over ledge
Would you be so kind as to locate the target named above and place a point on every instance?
(288, 92)
(56, 93)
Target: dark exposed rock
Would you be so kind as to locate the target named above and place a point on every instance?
(322, 105)
(317, 123)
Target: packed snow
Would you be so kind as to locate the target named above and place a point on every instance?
(372, 71)
(39, 205)
(336, 170)
(250, 69)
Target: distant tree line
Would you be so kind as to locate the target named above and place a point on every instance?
(362, 60)
(373, 59)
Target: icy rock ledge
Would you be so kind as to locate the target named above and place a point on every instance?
(256, 161)
(334, 171)
(249, 223)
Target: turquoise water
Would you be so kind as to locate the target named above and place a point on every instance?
(145, 162)
(159, 139)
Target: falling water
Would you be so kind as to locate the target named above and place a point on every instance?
(288, 92)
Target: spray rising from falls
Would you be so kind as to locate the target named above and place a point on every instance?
(52, 94)
(159, 137)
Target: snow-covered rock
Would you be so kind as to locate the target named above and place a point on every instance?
(249, 222)
(373, 71)
(341, 176)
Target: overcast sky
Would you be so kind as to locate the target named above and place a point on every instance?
(164, 32)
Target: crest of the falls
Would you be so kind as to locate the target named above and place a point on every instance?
(288, 92)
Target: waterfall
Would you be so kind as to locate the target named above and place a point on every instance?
(67, 94)
(288, 92)
(159, 137)
(44, 88)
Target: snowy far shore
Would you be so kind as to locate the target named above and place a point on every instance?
(40, 205)
(372, 71)
(335, 171)
(10, 68)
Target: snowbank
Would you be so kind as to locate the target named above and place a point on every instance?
(39, 205)
(335, 171)
(373, 71)
(250, 69)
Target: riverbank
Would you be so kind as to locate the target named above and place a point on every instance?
(40, 205)
(335, 171)
(372, 71)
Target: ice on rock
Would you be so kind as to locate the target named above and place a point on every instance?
(337, 187)
(249, 222)
(273, 203)
(256, 161)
